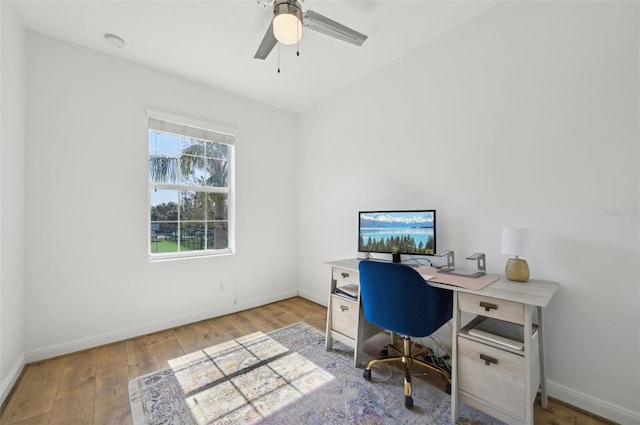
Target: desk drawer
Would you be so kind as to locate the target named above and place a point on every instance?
(491, 307)
(345, 276)
(493, 375)
(344, 316)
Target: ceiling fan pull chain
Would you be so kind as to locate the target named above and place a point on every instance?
(297, 42)
(278, 58)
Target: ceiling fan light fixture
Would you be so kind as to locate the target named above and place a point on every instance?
(287, 21)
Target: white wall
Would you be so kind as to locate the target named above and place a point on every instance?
(88, 280)
(526, 115)
(12, 168)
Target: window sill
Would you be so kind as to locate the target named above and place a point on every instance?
(190, 256)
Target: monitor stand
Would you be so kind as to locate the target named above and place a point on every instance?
(463, 274)
(478, 256)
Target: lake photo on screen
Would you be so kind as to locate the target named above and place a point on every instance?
(405, 232)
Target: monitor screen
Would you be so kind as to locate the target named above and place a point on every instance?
(402, 232)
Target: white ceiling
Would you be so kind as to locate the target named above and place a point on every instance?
(213, 41)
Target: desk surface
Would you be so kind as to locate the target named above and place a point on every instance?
(533, 292)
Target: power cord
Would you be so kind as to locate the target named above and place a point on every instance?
(385, 378)
(417, 260)
(439, 362)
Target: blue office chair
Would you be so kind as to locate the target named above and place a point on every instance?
(395, 297)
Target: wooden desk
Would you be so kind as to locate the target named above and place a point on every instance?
(495, 379)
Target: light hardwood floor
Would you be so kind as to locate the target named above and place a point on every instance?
(91, 387)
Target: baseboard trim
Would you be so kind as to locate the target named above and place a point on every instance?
(592, 405)
(8, 384)
(312, 297)
(109, 338)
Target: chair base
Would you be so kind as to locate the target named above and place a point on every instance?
(408, 359)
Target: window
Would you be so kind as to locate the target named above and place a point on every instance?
(190, 189)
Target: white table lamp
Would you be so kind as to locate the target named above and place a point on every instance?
(514, 241)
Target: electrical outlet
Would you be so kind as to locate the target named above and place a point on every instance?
(222, 285)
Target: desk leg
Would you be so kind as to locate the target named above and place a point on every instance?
(529, 393)
(543, 382)
(454, 359)
(361, 336)
(328, 341)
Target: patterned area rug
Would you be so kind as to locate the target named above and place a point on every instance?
(285, 377)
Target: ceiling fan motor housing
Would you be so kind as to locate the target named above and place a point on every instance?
(287, 21)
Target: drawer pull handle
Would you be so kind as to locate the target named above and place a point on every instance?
(488, 359)
(344, 307)
(488, 306)
(345, 275)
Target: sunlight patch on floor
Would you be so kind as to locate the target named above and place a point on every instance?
(245, 380)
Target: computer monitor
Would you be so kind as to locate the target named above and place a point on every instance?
(397, 232)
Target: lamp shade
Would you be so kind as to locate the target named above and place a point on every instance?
(514, 240)
(287, 22)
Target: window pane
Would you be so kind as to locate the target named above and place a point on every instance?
(217, 173)
(191, 146)
(192, 205)
(192, 170)
(217, 150)
(164, 237)
(192, 165)
(218, 235)
(163, 169)
(192, 236)
(164, 221)
(164, 205)
(217, 206)
(162, 143)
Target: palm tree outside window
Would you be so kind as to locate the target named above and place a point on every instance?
(190, 190)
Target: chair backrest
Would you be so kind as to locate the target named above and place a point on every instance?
(397, 298)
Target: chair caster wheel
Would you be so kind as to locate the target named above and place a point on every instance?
(448, 389)
(367, 374)
(408, 402)
(384, 352)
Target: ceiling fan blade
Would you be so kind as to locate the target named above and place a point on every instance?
(320, 23)
(266, 46)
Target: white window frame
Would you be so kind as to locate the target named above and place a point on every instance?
(202, 131)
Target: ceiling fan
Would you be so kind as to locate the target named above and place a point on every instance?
(287, 23)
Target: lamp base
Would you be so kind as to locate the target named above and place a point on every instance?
(517, 270)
